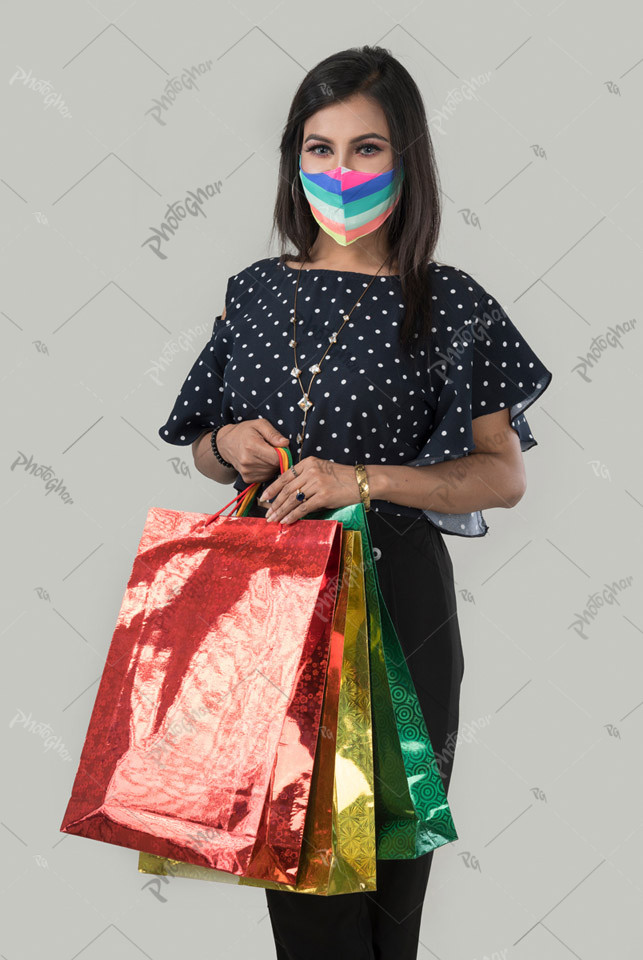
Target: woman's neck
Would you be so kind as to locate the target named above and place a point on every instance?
(363, 256)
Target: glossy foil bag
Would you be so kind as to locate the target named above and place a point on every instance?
(338, 854)
(202, 738)
(412, 813)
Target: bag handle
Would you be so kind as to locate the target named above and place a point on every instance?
(245, 497)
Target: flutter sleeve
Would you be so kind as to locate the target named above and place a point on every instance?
(199, 404)
(487, 366)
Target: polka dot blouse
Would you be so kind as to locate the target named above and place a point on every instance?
(372, 403)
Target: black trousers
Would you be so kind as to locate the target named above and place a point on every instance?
(416, 578)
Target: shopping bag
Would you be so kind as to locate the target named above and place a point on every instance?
(211, 696)
(338, 854)
(412, 812)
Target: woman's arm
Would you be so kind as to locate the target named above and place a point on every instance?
(206, 462)
(204, 458)
(492, 476)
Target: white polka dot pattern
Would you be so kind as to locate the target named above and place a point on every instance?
(372, 403)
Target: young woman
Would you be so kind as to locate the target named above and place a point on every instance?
(394, 379)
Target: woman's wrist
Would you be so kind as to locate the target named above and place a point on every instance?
(214, 444)
(378, 481)
(363, 485)
(221, 445)
(206, 462)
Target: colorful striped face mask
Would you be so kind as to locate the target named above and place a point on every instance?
(348, 204)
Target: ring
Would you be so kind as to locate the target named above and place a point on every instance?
(301, 496)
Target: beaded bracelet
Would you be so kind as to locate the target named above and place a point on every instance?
(213, 443)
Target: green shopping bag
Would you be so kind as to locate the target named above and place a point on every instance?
(411, 806)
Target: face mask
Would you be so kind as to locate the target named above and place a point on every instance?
(349, 204)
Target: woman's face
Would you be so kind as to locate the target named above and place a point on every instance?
(353, 133)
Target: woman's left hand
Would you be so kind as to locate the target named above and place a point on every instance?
(327, 485)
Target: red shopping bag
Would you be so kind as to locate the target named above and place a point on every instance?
(202, 738)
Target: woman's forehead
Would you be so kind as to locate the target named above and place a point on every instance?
(347, 119)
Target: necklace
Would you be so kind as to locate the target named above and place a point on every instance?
(305, 403)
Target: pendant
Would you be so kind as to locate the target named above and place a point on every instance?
(333, 338)
(304, 403)
(295, 371)
(315, 368)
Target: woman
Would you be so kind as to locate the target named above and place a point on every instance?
(370, 360)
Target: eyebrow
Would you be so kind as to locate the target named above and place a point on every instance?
(364, 136)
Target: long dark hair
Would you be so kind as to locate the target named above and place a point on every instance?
(414, 224)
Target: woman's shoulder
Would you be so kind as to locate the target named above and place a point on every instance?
(456, 279)
(456, 293)
(257, 270)
(249, 283)
(244, 276)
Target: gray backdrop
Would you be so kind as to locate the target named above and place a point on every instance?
(535, 112)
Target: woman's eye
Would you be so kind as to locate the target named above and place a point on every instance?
(364, 146)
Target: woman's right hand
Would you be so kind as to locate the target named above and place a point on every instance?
(250, 447)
